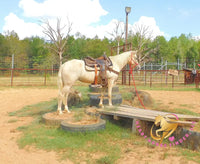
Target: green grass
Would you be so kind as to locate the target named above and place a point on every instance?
(185, 111)
(70, 145)
(36, 110)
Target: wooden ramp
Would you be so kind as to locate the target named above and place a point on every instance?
(147, 115)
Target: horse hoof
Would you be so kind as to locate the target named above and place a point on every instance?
(60, 113)
(101, 105)
(66, 111)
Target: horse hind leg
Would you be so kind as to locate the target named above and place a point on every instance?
(60, 100)
(66, 91)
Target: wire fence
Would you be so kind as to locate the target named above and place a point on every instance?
(28, 77)
(15, 72)
(48, 77)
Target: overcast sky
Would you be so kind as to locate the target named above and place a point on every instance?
(96, 17)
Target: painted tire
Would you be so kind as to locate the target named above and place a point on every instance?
(116, 99)
(83, 128)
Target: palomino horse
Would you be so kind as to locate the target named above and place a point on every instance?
(74, 70)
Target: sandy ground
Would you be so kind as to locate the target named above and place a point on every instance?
(178, 99)
(14, 99)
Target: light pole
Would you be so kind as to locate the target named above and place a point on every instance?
(127, 10)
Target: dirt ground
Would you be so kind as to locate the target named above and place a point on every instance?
(14, 99)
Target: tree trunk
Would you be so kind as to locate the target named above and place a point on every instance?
(60, 58)
(117, 47)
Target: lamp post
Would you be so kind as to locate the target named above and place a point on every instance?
(127, 10)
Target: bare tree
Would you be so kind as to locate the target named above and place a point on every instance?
(58, 36)
(117, 33)
(142, 35)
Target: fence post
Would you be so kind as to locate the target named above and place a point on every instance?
(197, 79)
(172, 81)
(45, 77)
(151, 79)
(166, 74)
(12, 70)
(129, 77)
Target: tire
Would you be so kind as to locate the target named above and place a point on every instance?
(83, 128)
(51, 121)
(98, 90)
(116, 99)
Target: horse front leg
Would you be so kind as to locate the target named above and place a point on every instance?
(101, 98)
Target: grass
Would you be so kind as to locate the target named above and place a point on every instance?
(70, 145)
(12, 120)
(190, 155)
(102, 147)
(185, 111)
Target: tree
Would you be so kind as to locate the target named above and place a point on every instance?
(160, 47)
(141, 38)
(117, 33)
(58, 38)
(12, 44)
(37, 53)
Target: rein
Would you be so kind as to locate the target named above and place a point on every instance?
(131, 67)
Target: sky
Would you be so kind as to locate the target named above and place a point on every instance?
(167, 18)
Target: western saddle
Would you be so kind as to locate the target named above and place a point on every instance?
(101, 64)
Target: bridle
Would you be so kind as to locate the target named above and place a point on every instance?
(132, 66)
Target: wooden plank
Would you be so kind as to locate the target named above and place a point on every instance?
(156, 113)
(141, 116)
(128, 115)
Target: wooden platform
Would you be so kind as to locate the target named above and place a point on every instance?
(146, 115)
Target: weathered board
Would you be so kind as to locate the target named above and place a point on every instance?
(173, 72)
(147, 115)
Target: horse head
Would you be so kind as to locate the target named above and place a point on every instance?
(134, 59)
(158, 120)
